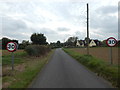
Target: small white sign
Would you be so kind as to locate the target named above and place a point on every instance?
(11, 46)
(111, 42)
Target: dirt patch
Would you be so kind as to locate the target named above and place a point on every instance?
(20, 67)
(102, 53)
(6, 84)
(7, 70)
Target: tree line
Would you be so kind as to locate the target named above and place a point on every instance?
(36, 38)
(40, 39)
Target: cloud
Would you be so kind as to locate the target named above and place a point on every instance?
(107, 10)
(62, 29)
(14, 28)
(12, 25)
(80, 35)
(104, 21)
(56, 19)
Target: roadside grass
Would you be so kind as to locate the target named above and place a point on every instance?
(101, 68)
(7, 56)
(26, 68)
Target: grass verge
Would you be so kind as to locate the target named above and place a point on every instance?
(109, 72)
(6, 57)
(24, 72)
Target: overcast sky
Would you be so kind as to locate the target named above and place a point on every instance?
(58, 19)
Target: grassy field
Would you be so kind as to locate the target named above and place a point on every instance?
(6, 57)
(26, 68)
(99, 66)
(101, 52)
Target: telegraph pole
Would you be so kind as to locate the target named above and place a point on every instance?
(87, 29)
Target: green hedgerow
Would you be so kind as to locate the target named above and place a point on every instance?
(37, 50)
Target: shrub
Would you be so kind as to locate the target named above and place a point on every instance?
(37, 50)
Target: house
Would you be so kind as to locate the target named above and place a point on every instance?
(80, 43)
(92, 43)
(77, 44)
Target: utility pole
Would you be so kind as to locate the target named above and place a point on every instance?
(87, 29)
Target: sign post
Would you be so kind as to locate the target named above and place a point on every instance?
(111, 42)
(12, 61)
(11, 47)
(111, 59)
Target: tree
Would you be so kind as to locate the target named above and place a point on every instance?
(24, 44)
(4, 42)
(104, 43)
(16, 41)
(58, 44)
(71, 41)
(118, 43)
(37, 38)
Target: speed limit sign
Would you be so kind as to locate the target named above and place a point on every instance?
(11, 46)
(111, 42)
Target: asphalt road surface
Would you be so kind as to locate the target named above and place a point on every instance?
(63, 71)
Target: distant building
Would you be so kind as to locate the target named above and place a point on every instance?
(92, 43)
(80, 43)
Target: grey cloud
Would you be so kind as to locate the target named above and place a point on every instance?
(11, 25)
(107, 9)
(47, 31)
(107, 24)
(63, 29)
(52, 35)
(80, 35)
(17, 35)
(25, 8)
(14, 28)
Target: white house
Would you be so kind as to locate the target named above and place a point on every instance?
(92, 43)
(77, 44)
(80, 43)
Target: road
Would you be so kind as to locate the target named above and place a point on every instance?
(63, 71)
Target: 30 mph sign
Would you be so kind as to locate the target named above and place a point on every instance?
(111, 42)
(11, 46)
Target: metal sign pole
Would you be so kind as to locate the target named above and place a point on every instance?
(12, 61)
(111, 42)
(111, 61)
(11, 47)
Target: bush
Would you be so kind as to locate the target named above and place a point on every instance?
(37, 50)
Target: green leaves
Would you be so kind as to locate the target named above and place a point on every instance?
(37, 38)
(37, 50)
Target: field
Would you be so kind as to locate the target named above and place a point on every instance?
(101, 53)
(6, 57)
(25, 68)
(5, 52)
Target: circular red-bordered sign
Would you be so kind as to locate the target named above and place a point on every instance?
(11, 46)
(111, 42)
